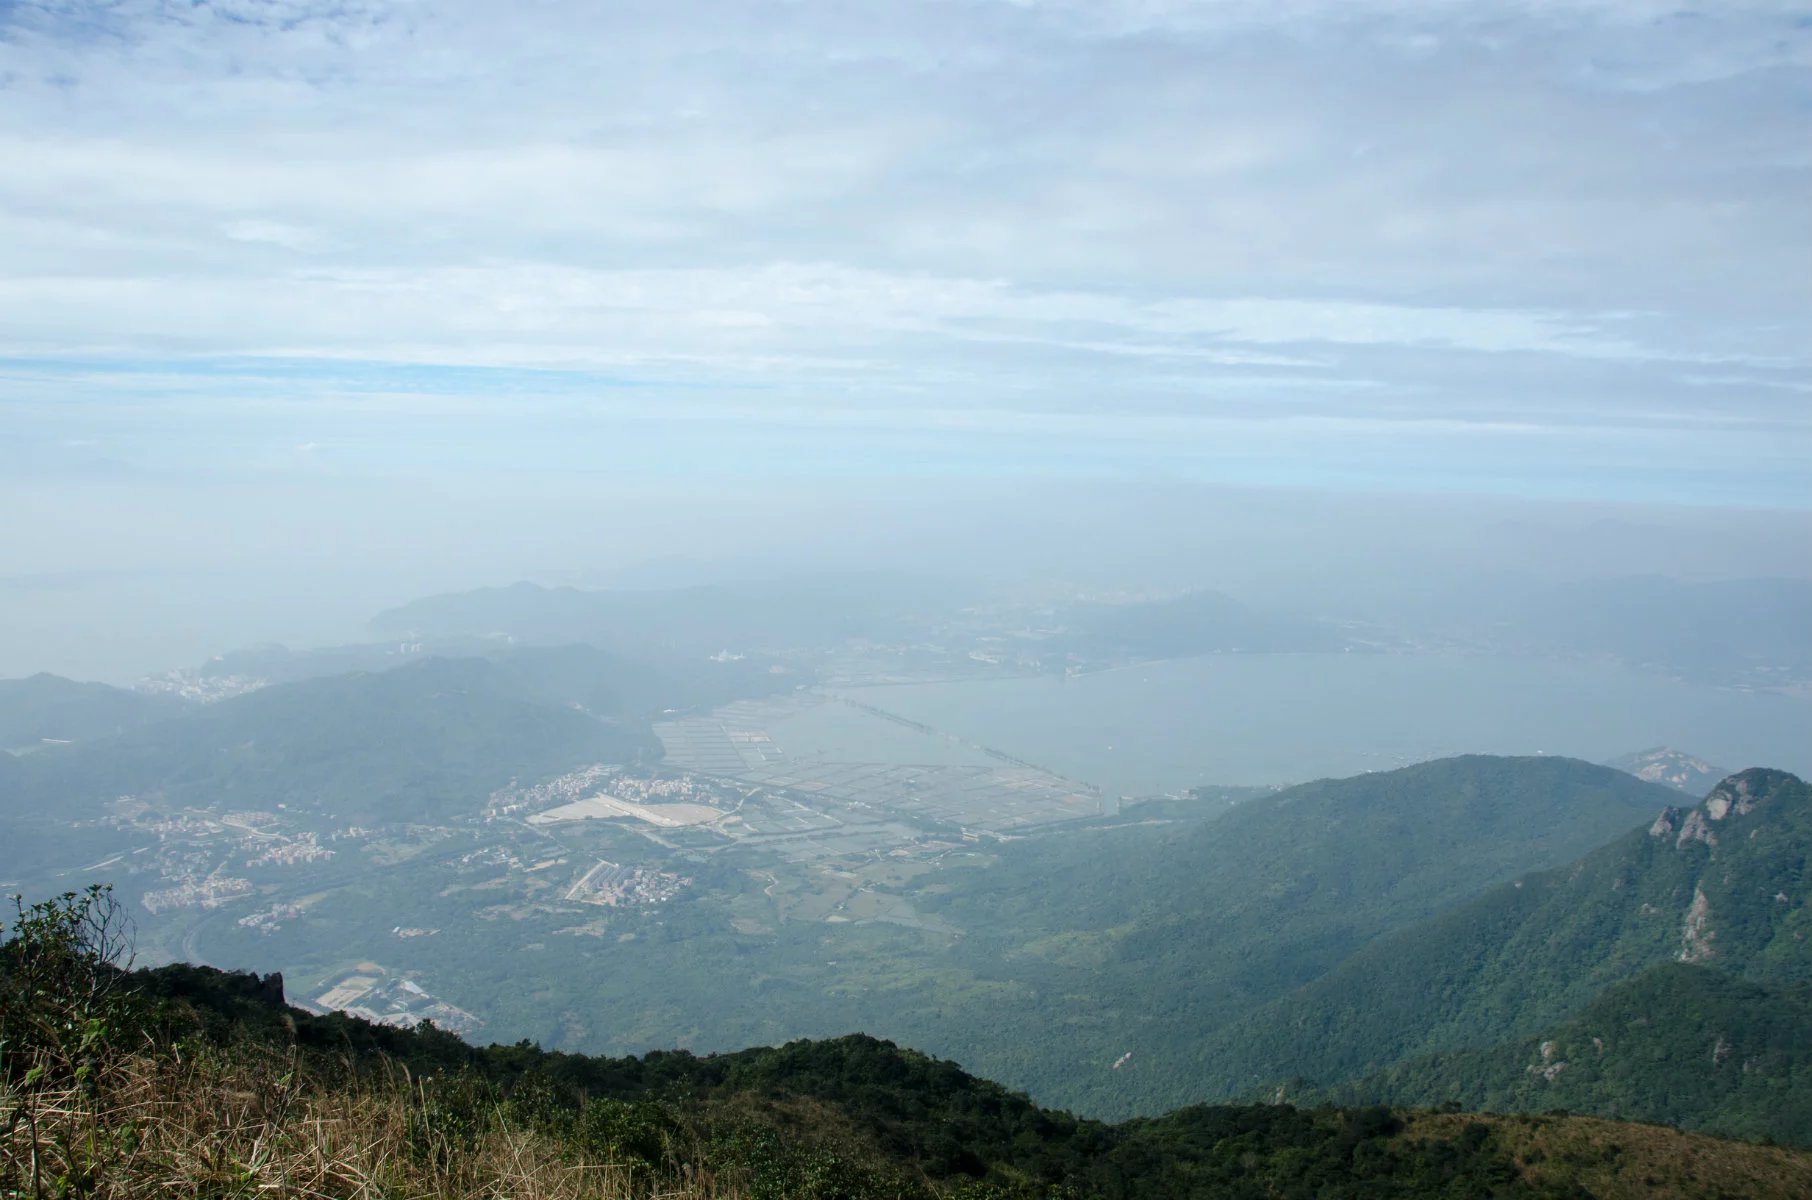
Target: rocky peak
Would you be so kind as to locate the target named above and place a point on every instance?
(1737, 796)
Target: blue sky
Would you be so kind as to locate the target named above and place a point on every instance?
(1540, 247)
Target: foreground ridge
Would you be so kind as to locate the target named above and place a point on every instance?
(187, 1081)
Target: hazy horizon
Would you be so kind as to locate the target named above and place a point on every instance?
(202, 585)
(420, 296)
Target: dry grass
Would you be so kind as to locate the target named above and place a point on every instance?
(250, 1123)
(1613, 1159)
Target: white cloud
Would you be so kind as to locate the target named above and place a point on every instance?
(529, 314)
(1429, 204)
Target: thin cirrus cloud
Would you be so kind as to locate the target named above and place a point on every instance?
(1186, 216)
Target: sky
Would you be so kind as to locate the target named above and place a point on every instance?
(358, 280)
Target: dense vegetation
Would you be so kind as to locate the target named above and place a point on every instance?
(1158, 937)
(1683, 1044)
(49, 707)
(189, 1082)
(1364, 939)
(1159, 934)
(1723, 884)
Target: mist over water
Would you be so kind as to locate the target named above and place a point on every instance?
(211, 564)
(117, 627)
(1287, 718)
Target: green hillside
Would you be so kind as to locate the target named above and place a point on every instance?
(50, 708)
(1685, 1045)
(189, 1082)
(427, 740)
(635, 687)
(1147, 941)
(1722, 884)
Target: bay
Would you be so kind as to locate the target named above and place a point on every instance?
(1282, 718)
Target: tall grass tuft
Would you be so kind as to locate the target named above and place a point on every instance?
(92, 1105)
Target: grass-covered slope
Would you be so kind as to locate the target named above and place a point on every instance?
(1723, 884)
(186, 1082)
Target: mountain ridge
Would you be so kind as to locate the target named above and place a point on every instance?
(221, 1083)
(50, 708)
(381, 745)
(1538, 949)
(1159, 935)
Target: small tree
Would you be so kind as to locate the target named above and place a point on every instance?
(62, 977)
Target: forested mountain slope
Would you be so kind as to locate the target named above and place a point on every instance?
(1722, 884)
(1681, 1044)
(1148, 940)
(48, 707)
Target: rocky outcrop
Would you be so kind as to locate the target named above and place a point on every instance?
(1695, 829)
(1733, 795)
(1696, 934)
(1550, 1067)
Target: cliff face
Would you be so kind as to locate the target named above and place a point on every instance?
(1738, 806)
(1737, 795)
(1747, 844)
